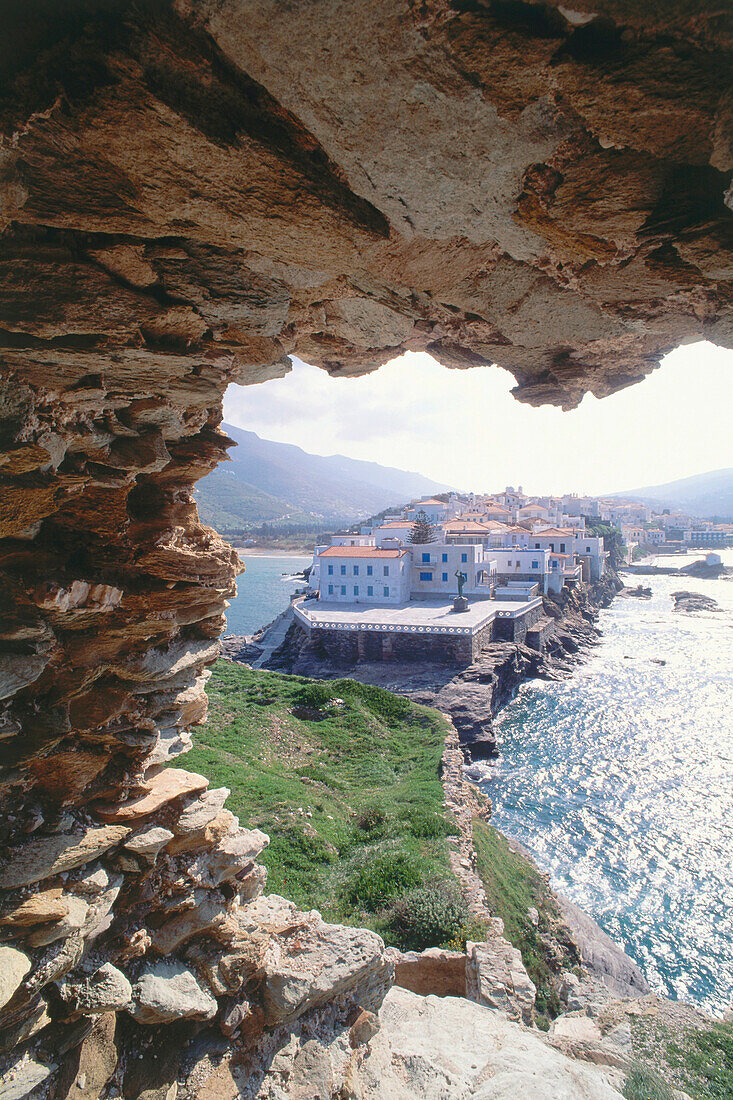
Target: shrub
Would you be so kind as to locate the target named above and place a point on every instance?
(377, 882)
(426, 825)
(314, 696)
(372, 819)
(430, 917)
(383, 704)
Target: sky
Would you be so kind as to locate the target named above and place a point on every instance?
(464, 429)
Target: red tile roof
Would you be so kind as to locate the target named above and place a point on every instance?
(360, 552)
(467, 527)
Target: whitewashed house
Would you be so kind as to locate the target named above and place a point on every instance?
(364, 574)
(435, 564)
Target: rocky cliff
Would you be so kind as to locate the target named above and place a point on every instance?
(185, 198)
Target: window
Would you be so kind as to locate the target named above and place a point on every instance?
(426, 576)
(330, 590)
(445, 576)
(343, 570)
(369, 571)
(562, 547)
(426, 558)
(464, 557)
(330, 570)
(535, 565)
(509, 564)
(445, 557)
(356, 589)
(385, 571)
(343, 589)
(370, 590)
(536, 546)
(587, 549)
(356, 570)
(386, 590)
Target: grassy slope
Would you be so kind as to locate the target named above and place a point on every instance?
(337, 793)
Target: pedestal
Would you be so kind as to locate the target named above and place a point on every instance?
(460, 603)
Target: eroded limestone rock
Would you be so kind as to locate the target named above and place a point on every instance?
(167, 991)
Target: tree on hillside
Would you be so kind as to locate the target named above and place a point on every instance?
(421, 531)
(613, 540)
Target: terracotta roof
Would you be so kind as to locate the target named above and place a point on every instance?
(553, 532)
(431, 500)
(466, 526)
(360, 552)
(395, 523)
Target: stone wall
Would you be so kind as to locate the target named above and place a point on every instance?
(345, 647)
(515, 629)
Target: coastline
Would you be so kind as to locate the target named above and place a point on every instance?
(263, 552)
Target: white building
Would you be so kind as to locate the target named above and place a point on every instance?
(364, 539)
(395, 529)
(436, 511)
(434, 568)
(364, 574)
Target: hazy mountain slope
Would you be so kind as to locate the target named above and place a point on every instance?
(268, 481)
(709, 494)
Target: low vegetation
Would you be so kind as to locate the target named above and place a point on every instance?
(643, 1083)
(345, 779)
(703, 1061)
(676, 1050)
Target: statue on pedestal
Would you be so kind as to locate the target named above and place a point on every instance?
(460, 603)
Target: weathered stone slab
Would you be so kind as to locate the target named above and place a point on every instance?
(148, 843)
(166, 786)
(14, 966)
(168, 991)
(106, 990)
(198, 815)
(319, 963)
(50, 855)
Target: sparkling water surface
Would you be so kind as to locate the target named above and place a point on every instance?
(620, 781)
(263, 591)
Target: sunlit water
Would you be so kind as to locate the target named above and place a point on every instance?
(263, 591)
(620, 781)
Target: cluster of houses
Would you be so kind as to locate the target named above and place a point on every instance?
(444, 577)
(502, 548)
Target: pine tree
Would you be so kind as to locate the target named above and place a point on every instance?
(421, 531)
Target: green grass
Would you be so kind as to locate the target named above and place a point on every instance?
(349, 791)
(643, 1084)
(514, 885)
(704, 1061)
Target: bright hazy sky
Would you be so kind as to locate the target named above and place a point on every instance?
(463, 428)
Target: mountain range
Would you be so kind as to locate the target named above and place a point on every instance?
(704, 495)
(278, 483)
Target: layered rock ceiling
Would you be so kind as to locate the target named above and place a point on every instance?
(190, 192)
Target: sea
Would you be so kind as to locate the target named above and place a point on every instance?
(264, 590)
(619, 780)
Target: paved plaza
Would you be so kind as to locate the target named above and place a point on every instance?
(433, 615)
